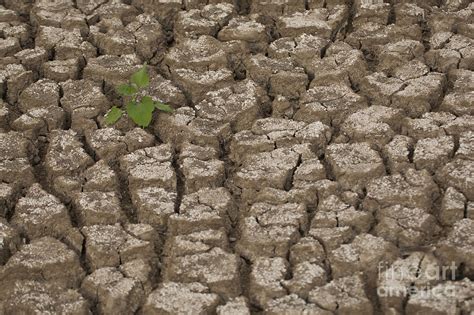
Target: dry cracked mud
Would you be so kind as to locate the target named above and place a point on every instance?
(319, 158)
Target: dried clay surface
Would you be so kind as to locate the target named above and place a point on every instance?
(319, 158)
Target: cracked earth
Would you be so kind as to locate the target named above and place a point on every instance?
(317, 148)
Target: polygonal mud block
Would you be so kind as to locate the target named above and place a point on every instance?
(199, 173)
(172, 297)
(411, 70)
(40, 297)
(397, 153)
(239, 105)
(466, 146)
(305, 276)
(266, 280)
(40, 214)
(149, 167)
(14, 78)
(238, 305)
(332, 237)
(354, 165)
(455, 297)
(9, 46)
(396, 224)
(343, 295)
(110, 245)
(411, 188)
(458, 103)
(275, 8)
(114, 70)
(65, 154)
(111, 292)
(409, 13)
(96, 207)
(422, 128)
(44, 259)
(207, 21)
(195, 243)
(362, 255)
(329, 104)
(345, 65)
(376, 125)
(379, 88)
(458, 174)
(433, 153)
(376, 12)
(61, 14)
(216, 269)
(11, 241)
(64, 44)
(163, 90)
(205, 209)
(458, 247)
(307, 249)
(14, 145)
(42, 93)
(241, 28)
(267, 169)
(452, 207)
(113, 42)
(61, 70)
(164, 10)
(154, 206)
(394, 55)
(293, 304)
(108, 144)
(322, 22)
(141, 270)
(16, 172)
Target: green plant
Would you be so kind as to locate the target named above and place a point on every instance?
(139, 108)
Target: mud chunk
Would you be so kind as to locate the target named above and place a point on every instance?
(247, 30)
(292, 304)
(411, 188)
(447, 302)
(107, 143)
(200, 171)
(309, 250)
(65, 155)
(450, 51)
(396, 224)
(375, 12)
(329, 104)
(181, 298)
(354, 165)
(113, 70)
(40, 214)
(458, 102)
(42, 297)
(110, 245)
(154, 206)
(112, 41)
(58, 14)
(64, 44)
(9, 46)
(322, 22)
(112, 292)
(302, 49)
(195, 243)
(42, 93)
(458, 174)
(17, 172)
(409, 13)
(142, 271)
(61, 70)
(96, 207)
(466, 146)
(165, 91)
(4, 115)
(149, 167)
(343, 64)
(32, 59)
(266, 280)
(376, 125)
(343, 296)
(13, 145)
(363, 254)
(397, 153)
(332, 237)
(184, 127)
(11, 241)
(395, 280)
(458, 246)
(14, 79)
(238, 305)
(163, 10)
(206, 21)
(276, 8)
(44, 259)
(452, 206)
(306, 276)
(239, 105)
(395, 55)
(270, 230)
(205, 209)
(433, 153)
(267, 169)
(216, 269)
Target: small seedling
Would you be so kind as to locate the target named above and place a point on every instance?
(139, 108)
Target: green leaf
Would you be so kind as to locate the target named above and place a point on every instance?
(141, 113)
(140, 78)
(113, 115)
(163, 107)
(127, 90)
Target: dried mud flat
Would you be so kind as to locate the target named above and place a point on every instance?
(320, 158)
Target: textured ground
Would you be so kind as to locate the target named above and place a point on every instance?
(316, 146)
